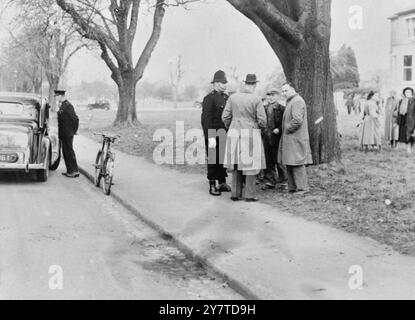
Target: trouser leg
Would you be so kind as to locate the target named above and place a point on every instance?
(69, 155)
(300, 178)
(291, 181)
(215, 168)
(270, 176)
(282, 176)
(250, 189)
(270, 173)
(237, 184)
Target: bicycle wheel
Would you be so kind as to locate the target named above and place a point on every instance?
(107, 182)
(98, 169)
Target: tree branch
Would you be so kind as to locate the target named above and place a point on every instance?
(274, 18)
(134, 19)
(142, 62)
(71, 54)
(92, 31)
(116, 75)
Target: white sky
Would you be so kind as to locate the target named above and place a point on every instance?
(214, 35)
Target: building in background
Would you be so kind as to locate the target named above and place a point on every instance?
(403, 49)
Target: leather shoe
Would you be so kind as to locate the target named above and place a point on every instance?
(213, 191)
(71, 175)
(268, 186)
(236, 199)
(251, 199)
(224, 187)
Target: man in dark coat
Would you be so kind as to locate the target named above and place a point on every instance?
(271, 139)
(68, 123)
(215, 134)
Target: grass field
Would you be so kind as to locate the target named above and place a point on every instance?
(373, 194)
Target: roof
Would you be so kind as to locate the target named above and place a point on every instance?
(408, 10)
(20, 97)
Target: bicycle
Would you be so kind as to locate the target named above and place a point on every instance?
(104, 164)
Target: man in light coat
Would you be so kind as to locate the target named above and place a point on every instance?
(245, 117)
(294, 151)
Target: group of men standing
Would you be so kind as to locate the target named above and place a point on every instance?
(251, 139)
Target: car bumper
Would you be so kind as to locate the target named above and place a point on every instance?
(19, 167)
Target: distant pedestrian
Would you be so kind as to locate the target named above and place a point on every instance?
(271, 137)
(370, 134)
(68, 125)
(294, 151)
(350, 103)
(391, 119)
(357, 104)
(245, 117)
(410, 125)
(214, 129)
(405, 118)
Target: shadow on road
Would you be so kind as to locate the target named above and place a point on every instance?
(17, 177)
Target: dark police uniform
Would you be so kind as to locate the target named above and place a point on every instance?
(213, 106)
(68, 123)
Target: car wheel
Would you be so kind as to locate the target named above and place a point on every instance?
(98, 167)
(55, 166)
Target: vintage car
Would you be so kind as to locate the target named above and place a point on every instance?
(99, 104)
(27, 142)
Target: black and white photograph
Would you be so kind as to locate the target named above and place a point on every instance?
(207, 155)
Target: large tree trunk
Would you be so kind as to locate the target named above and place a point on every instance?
(299, 32)
(53, 85)
(127, 113)
(310, 73)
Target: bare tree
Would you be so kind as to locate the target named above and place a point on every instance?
(49, 35)
(19, 64)
(176, 75)
(299, 32)
(113, 25)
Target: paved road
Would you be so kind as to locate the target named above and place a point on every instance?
(65, 240)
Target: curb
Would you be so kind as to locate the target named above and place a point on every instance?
(234, 284)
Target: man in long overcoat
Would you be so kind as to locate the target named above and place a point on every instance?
(215, 134)
(68, 124)
(295, 151)
(245, 117)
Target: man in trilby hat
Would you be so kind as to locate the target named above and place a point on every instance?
(215, 134)
(245, 117)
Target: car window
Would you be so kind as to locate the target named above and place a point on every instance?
(17, 109)
(11, 109)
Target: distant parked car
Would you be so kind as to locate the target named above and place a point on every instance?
(99, 104)
(27, 142)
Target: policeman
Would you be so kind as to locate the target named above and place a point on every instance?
(68, 124)
(215, 134)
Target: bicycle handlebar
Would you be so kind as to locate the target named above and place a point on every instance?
(107, 136)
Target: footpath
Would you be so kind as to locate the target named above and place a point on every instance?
(263, 252)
